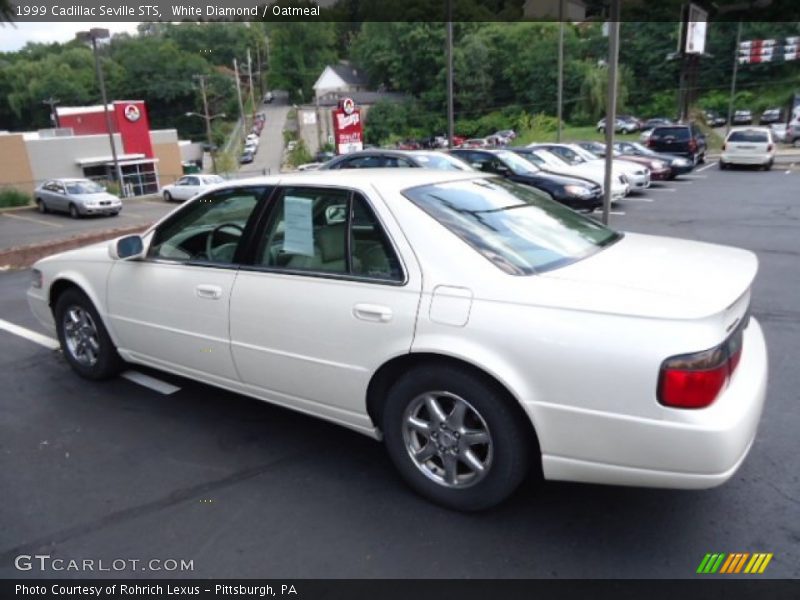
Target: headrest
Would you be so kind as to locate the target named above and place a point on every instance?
(331, 242)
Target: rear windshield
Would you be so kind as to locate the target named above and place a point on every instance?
(748, 136)
(519, 229)
(679, 133)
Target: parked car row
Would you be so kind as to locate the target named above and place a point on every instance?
(497, 139)
(251, 141)
(572, 174)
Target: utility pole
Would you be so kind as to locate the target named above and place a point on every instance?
(450, 116)
(51, 102)
(202, 80)
(92, 36)
(259, 71)
(611, 104)
(733, 79)
(560, 68)
(239, 95)
(250, 74)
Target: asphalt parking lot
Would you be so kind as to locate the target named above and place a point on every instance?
(243, 489)
(26, 226)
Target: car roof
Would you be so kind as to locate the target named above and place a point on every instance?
(390, 180)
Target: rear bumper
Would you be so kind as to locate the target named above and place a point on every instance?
(639, 182)
(746, 159)
(686, 449)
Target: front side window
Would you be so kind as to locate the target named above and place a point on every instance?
(330, 231)
(517, 228)
(209, 229)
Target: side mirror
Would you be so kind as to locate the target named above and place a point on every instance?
(126, 248)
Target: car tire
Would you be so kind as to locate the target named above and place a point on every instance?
(167, 197)
(768, 166)
(701, 159)
(41, 206)
(85, 341)
(74, 212)
(723, 165)
(487, 414)
(114, 214)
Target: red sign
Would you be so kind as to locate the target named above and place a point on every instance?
(347, 128)
(133, 125)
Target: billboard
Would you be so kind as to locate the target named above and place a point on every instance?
(348, 131)
(695, 22)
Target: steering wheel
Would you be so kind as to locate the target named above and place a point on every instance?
(210, 254)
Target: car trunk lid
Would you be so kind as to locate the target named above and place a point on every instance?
(665, 277)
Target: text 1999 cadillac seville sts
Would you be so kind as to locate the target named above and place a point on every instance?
(475, 325)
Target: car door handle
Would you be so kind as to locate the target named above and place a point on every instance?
(372, 312)
(209, 292)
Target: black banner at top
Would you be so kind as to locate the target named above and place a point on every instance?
(388, 10)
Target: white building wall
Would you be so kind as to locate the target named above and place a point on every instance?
(58, 156)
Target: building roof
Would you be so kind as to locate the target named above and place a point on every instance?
(350, 74)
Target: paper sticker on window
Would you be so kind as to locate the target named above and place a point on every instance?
(299, 227)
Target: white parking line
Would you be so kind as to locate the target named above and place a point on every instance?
(599, 211)
(637, 199)
(29, 334)
(665, 189)
(162, 387)
(708, 166)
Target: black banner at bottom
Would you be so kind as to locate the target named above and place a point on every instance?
(405, 589)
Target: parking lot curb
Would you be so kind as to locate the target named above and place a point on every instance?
(22, 257)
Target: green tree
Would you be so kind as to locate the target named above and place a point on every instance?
(300, 52)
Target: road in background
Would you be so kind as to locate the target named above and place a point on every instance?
(244, 489)
(269, 157)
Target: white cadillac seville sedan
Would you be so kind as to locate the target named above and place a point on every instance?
(475, 325)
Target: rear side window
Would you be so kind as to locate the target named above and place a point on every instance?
(520, 230)
(331, 231)
(678, 133)
(749, 136)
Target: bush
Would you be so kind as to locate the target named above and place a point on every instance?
(299, 155)
(13, 197)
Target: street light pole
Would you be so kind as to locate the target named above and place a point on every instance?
(202, 80)
(733, 79)
(450, 116)
(239, 96)
(92, 36)
(250, 75)
(611, 104)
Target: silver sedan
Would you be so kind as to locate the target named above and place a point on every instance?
(78, 197)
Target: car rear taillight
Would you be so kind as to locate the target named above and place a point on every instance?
(692, 145)
(696, 380)
(769, 147)
(723, 147)
(650, 142)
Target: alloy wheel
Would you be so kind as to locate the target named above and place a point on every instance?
(447, 439)
(81, 336)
